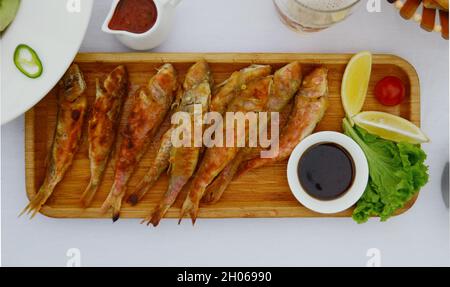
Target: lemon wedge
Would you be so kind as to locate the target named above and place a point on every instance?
(355, 83)
(390, 127)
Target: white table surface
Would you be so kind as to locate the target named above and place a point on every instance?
(418, 237)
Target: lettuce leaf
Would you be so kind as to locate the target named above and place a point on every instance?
(396, 173)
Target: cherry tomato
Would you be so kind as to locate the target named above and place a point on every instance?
(390, 91)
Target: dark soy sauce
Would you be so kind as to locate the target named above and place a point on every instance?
(326, 171)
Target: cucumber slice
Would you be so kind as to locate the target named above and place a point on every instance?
(27, 61)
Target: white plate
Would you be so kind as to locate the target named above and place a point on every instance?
(55, 30)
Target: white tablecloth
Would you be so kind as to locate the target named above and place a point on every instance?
(418, 237)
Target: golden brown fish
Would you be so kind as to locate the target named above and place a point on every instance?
(226, 91)
(252, 99)
(157, 167)
(72, 105)
(149, 107)
(286, 82)
(103, 124)
(183, 160)
(161, 161)
(309, 108)
(197, 74)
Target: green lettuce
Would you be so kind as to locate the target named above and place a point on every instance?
(396, 174)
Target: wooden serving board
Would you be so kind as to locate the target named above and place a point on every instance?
(262, 192)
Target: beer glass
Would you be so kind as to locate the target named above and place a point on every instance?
(313, 15)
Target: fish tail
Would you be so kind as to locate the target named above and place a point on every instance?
(158, 214)
(185, 209)
(115, 205)
(133, 199)
(161, 164)
(143, 187)
(215, 190)
(113, 201)
(38, 201)
(191, 205)
(88, 194)
(175, 186)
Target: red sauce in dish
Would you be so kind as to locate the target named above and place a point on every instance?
(135, 16)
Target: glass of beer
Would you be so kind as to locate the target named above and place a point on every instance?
(313, 15)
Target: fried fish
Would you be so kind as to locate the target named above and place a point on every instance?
(149, 107)
(72, 106)
(103, 125)
(252, 99)
(184, 159)
(309, 108)
(286, 82)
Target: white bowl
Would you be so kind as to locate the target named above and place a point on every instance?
(350, 197)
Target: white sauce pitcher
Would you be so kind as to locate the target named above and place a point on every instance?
(151, 38)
